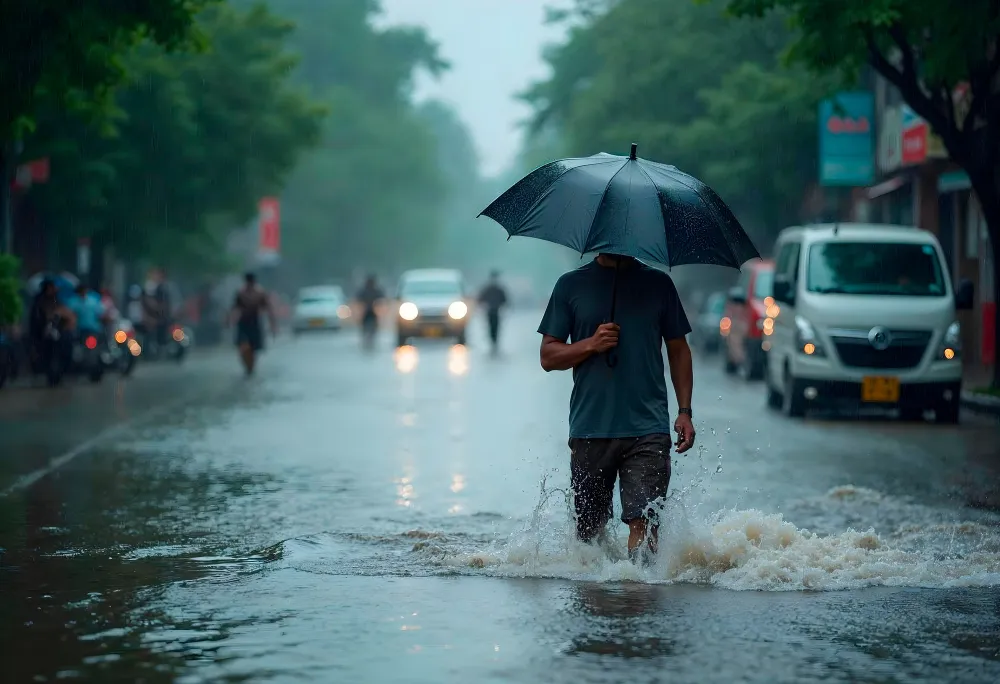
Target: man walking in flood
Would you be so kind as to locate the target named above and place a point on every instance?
(619, 416)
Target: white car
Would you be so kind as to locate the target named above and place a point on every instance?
(865, 315)
(432, 303)
(323, 307)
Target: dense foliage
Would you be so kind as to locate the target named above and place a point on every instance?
(199, 136)
(693, 89)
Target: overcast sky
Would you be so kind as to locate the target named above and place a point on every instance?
(494, 47)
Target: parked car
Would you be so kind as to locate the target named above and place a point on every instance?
(868, 317)
(708, 323)
(748, 321)
(322, 307)
(432, 303)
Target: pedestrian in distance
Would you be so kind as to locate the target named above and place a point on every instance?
(494, 298)
(619, 417)
(251, 302)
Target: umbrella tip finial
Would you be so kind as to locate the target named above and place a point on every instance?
(631, 155)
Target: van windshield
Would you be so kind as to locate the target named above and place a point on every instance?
(875, 268)
(422, 288)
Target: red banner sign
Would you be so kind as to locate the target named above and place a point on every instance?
(269, 225)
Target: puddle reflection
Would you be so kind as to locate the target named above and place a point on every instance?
(406, 358)
(458, 360)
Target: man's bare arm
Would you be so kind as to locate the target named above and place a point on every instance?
(681, 370)
(558, 355)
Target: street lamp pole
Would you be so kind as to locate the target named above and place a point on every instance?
(11, 150)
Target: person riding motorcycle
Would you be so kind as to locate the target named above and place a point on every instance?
(91, 315)
(157, 309)
(46, 310)
(369, 297)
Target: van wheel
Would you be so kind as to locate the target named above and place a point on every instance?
(947, 414)
(774, 398)
(460, 339)
(793, 404)
(400, 340)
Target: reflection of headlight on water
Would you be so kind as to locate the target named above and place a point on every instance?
(457, 310)
(458, 360)
(406, 358)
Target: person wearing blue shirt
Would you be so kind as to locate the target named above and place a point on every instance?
(88, 309)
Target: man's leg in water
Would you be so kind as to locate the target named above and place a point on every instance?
(593, 469)
(644, 480)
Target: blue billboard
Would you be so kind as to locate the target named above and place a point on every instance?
(847, 140)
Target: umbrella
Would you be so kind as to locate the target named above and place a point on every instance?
(625, 206)
(66, 283)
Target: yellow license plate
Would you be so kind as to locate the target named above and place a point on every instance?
(317, 322)
(433, 332)
(880, 390)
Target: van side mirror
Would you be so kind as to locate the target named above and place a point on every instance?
(965, 295)
(736, 295)
(783, 290)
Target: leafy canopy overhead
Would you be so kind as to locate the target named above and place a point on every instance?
(201, 135)
(693, 88)
(69, 50)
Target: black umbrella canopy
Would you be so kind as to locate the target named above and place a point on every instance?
(624, 205)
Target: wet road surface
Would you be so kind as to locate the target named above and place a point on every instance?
(402, 517)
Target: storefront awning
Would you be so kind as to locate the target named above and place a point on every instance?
(885, 187)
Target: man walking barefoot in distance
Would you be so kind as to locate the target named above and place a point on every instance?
(251, 302)
(619, 417)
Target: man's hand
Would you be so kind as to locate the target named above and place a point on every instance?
(605, 338)
(685, 432)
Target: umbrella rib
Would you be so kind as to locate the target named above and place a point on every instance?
(601, 201)
(663, 218)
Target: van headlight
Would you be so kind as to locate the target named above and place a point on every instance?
(806, 340)
(458, 310)
(951, 343)
(408, 311)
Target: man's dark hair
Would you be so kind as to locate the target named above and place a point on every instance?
(250, 278)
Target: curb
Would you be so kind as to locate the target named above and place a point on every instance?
(981, 403)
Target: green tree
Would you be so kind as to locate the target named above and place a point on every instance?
(926, 48)
(201, 137)
(10, 297)
(694, 89)
(372, 194)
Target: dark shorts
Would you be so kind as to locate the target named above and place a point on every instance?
(250, 333)
(641, 465)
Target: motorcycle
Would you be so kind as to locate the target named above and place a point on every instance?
(125, 348)
(53, 355)
(175, 349)
(8, 360)
(90, 356)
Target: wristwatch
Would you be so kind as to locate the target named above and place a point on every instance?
(684, 410)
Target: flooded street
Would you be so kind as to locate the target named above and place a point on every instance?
(402, 516)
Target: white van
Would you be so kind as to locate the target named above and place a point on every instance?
(432, 303)
(865, 314)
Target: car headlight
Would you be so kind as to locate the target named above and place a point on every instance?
(805, 338)
(951, 343)
(458, 310)
(343, 311)
(408, 311)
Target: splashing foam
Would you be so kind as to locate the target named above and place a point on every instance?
(734, 549)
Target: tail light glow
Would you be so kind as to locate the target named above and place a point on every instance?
(90, 342)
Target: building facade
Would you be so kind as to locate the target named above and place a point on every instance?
(916, 184)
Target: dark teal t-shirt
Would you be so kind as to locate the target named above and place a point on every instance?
(629, 400)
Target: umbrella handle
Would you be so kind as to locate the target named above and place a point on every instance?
(611, 358)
